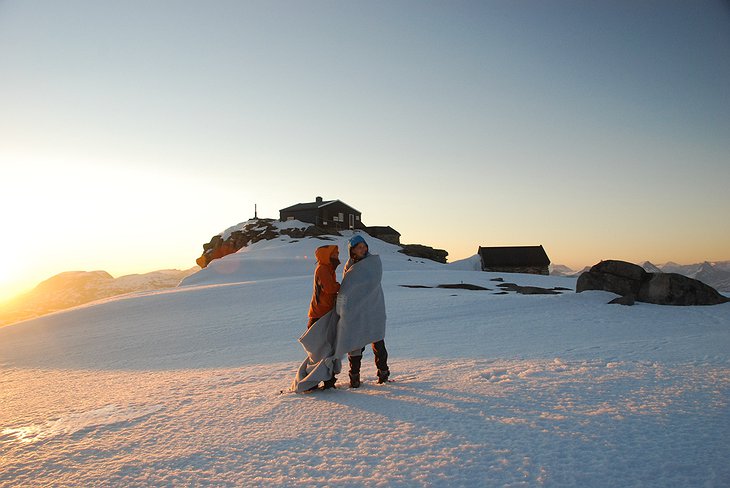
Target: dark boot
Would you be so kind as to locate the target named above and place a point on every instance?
(355, 362)
(381, 361)
(330, 383)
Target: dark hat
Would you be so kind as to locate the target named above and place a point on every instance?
(355, 240)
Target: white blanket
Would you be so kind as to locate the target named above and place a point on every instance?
(357, 320)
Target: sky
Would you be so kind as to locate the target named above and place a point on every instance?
(132, 132)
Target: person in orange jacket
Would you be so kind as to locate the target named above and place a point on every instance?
(324, 294)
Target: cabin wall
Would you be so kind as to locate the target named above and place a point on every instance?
(309, 216)
(333, 210)
(538, 270)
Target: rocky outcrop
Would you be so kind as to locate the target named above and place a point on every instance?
(426, 252)
(462, 286)
(246, 233)
(250, 232)
(635, 283)
(451, 286)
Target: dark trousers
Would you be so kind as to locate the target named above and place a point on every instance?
(381, 361)
(381, 356)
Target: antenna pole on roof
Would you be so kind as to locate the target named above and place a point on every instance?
(255, 212)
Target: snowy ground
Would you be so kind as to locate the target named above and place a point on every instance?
(181, 387)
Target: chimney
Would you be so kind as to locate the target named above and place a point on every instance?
(319, 200)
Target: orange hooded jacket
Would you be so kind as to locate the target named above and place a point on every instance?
(325, 282)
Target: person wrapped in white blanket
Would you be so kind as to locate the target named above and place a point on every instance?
(358, 250)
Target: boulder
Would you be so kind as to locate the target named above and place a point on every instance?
(621, 268)
(618, 277)
(426, 252)
(630, 280)
(625, 300)
(676, 289)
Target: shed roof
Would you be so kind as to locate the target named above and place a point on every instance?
(313, 206)
(305, 206)
(514, 256)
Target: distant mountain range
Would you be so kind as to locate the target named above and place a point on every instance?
(561, 270)
(72, 288)
(716, 274)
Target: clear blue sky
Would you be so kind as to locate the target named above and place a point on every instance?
(131, 132)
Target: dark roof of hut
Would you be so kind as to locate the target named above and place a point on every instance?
(514, 256)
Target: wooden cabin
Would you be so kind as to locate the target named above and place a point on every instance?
(515, 259)
(324, 213)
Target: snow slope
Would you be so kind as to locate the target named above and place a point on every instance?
(181, 386)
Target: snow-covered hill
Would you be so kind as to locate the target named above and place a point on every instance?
(73, 288)
(287, 257)
(182, 386)
(561, 270)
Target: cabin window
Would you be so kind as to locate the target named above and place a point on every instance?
(357, 217)
(290, 218)
(342, 217)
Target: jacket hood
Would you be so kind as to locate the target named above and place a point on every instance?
(325, 253)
